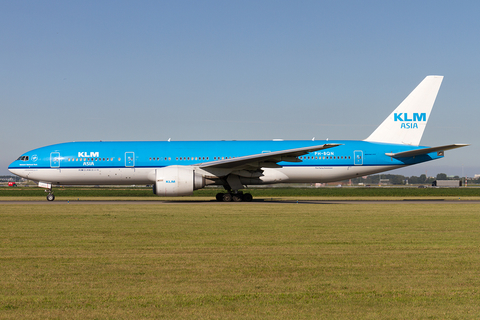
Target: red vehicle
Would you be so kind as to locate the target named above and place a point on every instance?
(12, 184)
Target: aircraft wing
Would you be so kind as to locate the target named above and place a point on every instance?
(418, 152)
(265, 160)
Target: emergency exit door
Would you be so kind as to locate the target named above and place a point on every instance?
(129, 159)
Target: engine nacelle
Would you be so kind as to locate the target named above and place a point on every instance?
(177, 181)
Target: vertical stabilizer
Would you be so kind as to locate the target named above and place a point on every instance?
(405, 125)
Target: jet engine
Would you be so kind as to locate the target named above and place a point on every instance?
(176, 181)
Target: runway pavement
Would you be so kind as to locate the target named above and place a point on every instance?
(254, 202)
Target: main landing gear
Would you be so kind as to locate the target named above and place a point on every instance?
(236, 197)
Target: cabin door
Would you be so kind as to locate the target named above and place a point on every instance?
(358, 156)
(55, 160)
(129, 159)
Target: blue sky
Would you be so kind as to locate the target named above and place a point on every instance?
(235, 70)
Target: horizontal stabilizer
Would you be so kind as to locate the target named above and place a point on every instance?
(417, 152)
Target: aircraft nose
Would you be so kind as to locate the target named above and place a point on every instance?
(16, 171)
(11, 166)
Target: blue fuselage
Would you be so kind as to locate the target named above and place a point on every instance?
(129, 162)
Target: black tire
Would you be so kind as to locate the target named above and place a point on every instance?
(247, 197)
(227, 197)
(219, 196)
(50, 197)
(237, 197)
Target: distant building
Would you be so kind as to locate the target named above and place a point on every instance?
(447, 183)
(384, 182)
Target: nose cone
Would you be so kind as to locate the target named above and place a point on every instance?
(12, 166)
(15, 169)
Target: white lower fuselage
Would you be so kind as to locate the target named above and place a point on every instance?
(138, 176)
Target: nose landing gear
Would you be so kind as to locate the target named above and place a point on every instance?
(50, 195)
(48, 188)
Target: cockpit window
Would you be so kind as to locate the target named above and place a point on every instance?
(23, 158)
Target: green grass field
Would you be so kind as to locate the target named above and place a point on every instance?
(247, 261)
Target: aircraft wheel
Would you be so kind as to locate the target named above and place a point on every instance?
(50, 197)
(219, 196)
(227, 197)
(247, 197)
(237, 197)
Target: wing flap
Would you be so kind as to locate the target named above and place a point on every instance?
(417, 152)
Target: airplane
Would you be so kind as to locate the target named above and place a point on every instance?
(177, 168)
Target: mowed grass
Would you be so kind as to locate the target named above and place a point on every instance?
(247, 261)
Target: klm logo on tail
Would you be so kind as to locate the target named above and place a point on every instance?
(409, 121)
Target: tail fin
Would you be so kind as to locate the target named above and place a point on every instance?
(405, 125)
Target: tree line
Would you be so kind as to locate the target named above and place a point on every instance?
(398, 179)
